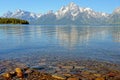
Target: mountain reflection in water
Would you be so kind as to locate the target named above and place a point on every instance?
(97, 42)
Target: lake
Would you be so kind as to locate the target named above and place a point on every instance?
(64, 42)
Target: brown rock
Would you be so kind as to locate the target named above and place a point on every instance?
(20, 75)
(97, 75)
(100, 78)
(73, 79)
(13, 73)
(111, 74)
(28, 71)
(58, 76)
(86, 73)
(117, 77)
(19, 72)
(7, 75)
(67, 75)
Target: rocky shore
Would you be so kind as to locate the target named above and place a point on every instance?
(60, 70)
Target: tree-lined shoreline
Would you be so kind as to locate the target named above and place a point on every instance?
(12, 21)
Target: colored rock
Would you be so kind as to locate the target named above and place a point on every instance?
(117, 77)
(97, 75)
(67, 75)
(20, 75)
(58, 76)
(111, 74)
(19, 72)
(12, 73)
(86, 73)
(73, 79)
(100, 78)
(6, 75)
(28, 71)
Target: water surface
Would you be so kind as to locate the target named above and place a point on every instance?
(88, 42)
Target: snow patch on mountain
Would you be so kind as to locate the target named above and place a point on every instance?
(117, 10)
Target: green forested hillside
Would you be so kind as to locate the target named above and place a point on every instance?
(12, 21)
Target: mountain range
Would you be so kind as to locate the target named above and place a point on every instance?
(69, 14)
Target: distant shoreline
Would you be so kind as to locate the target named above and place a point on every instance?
(12, 21)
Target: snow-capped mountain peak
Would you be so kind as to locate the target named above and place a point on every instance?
(71, 9)
(105, 14)
(117, 10)
(19, 10)
(87, 9)
(74, 11)
(72, 4)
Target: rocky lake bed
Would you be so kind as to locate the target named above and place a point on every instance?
(55, 69)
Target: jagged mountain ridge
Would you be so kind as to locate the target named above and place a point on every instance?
(21, 14)
(74, 10)
(114, 18)
(69, 14)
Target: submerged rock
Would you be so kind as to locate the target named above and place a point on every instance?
(73, 78)
(28, 71)
(58, 76)
(100, 78)
(6, 75)
(19, 72)
(97, 75)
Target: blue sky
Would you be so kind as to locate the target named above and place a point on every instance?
(42, 6)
